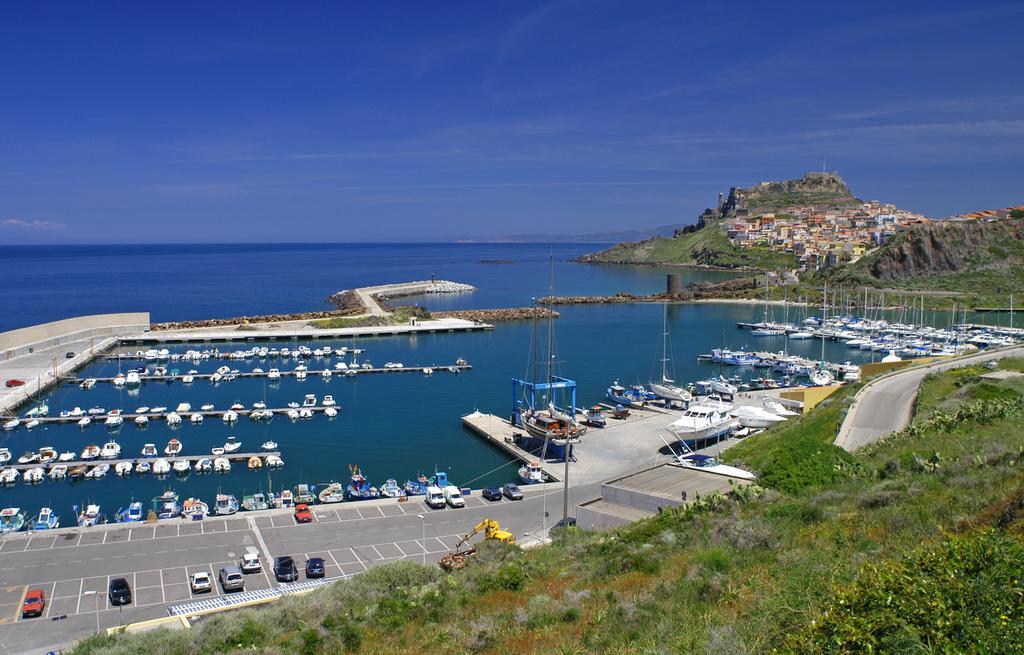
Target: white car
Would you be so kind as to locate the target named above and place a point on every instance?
(200, 582)
(251, 563)
(454, 496)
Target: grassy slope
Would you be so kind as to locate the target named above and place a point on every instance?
(679, 250)
(848, 551)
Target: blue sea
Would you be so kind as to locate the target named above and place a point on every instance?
(391, 426)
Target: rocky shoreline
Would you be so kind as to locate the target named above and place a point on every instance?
(697, 292)
(242, 321)
(498, 315)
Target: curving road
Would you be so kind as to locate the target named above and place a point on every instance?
(886, 403)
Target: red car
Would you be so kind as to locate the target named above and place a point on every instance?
(302, 513)
(15, 383)
(35, 603)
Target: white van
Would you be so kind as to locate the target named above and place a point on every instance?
(454, 496)
(435, 497)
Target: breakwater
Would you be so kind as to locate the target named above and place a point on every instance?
(249, 320)
(495, 315)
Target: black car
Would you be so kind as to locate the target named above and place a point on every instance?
(511, 491)
(119, 592)
(491, 493)
(69, 355)
(315, 567)
(284, 569)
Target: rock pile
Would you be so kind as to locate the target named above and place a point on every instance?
(495, 315)
(246, 320)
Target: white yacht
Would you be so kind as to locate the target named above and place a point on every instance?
(775, 407)
(328, 401)
(110, 450)
(756, 417)
(702, 421)
(232, 445)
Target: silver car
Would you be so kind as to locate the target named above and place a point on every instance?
(231, 578)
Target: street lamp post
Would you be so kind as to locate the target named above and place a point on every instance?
(423, 545)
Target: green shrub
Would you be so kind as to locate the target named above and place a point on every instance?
(345, 630)
(508, 577)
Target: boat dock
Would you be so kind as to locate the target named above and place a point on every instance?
(192, 459)
(451, 368)
(500, 433)
(99, 419)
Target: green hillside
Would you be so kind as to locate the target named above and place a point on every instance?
(708, 246)
(915, 545)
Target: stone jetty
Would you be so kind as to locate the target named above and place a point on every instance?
(495, 315)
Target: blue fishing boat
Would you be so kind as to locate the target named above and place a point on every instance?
(733, 357)
(166, 505)
(360, 488)
(417, 488)
(390, 489)
(130, 514)
(47, 520)
(617, 394)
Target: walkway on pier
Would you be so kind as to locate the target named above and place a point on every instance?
(192, 459)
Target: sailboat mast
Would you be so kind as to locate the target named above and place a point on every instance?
(664, 345)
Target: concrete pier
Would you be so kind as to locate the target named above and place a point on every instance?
(192, 459)
(99, 419)
(434, 368)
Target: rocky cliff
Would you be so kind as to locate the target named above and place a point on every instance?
(945, 248)
(826, 189)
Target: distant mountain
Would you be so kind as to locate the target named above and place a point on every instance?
(593, 237)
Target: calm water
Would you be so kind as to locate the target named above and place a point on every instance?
(393, 425)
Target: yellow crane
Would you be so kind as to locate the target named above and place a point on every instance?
(456, 559)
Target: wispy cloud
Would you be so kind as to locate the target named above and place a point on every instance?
(33, 225)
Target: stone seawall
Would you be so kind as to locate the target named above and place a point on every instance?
(495, 315)
(249, 320)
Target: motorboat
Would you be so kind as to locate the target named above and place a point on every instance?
(98, 471)
(531, 473)
(259, 405)
(326, 373)
(84, 422)
(173, 447)
(188, 378)
(12, 519)
(30, 457)
(274, 374)
(756, 417)
(801, 335)
(332, 493)
(32, 423)
(232, 445)
(702, 421)
(775, 407)
(141, 421)
(269, 445)
(225, 505)
(110, 450)
(221, 465)
(47, 454)
(328, 401)
(149, 450)
(119, 380)
(204, 465)
(183, 408)
(237, 407)
(331, 412)
(58, 471)
(88, 383)
(173, 419)
(92, 451)
(90, 516)
(5, 455)
(195, 509)
(713, 465)
(722, 386)
(207, 408)
(95, 411)
(254, 463)
(143, 467)
(10, 425)
(217, 451)
(158, 410)
(181, 466)
(124, 468)
(46, 520)
(132, 379)
(274, 462)
(8, 476)
(821, 377)
(33, 475)
(309, 400)
(230, 416)
(390, 489)
(255, 502)
(65, 456)
(300, 374)
(196, 418)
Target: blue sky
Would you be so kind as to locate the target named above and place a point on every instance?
(439, 121)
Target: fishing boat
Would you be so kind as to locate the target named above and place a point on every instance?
(110, 450)
(166, 505)
(130, 514)
(204, 465)
(89, 516)
(149, 450)
(98, 471)
(360, 488)
(181, 466)
(255, 462)
(221, 465)
(47, 454)
(58, 472)
(390, 489)
(416, 488)
(269, 445)
(232, 445)
(283, 500)
(92, 451)
(332, 493)
(161, 467)
(173, 447)
(255, 502)
(12, 519)
(617, 394)
(124, 468)
(304, 493)
(531, 473)
(225, 505)
(195, 509)
(666, 387)
(46, 520)
(274, 462)
(33, 475)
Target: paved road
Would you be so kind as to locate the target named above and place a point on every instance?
(37, 368)
(74, 567)
(886, 404)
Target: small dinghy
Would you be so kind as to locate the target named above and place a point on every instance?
(98, 471)
(269, 445)
(143, 467)
(196, 418)
(33, 475)
(161, 467)
(255, 462)
(123, 468)
(205, 465)
(58, 472)
(181, 466)
(221, 465)
(274, 462)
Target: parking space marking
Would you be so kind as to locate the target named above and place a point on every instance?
(78, 606)
(396, 546)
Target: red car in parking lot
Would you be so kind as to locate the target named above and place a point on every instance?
(35, 603)
(15, 383)
(302, 513)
